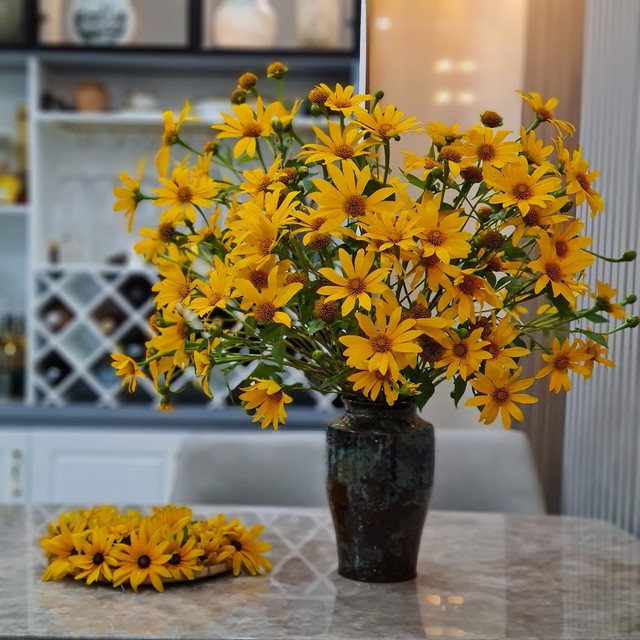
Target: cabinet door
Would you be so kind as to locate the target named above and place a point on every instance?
(103, 466)
(13, 456)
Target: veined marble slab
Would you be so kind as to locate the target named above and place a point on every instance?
(481, 576)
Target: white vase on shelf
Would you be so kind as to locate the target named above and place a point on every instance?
(244, 24)
(101, 23)
(318, 23)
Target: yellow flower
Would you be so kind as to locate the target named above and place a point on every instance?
(579, 180)
(174, 288)
(64, 541)
(488, 146)
(443, 238)
(389, 346)
(463, 356)
(269, 398)
(603, 298)
(372, 382)
(426, 163)
(248, 126)
(258, 180)
(499, 393)
(564, 357)
(128, 369)
(129, 196)
(387, 230)
(357, 284)
(537, 219)
(245, 551)
(344, 192)
(534, 149)
(519, 189)
(320, 226)
(184, 560)
(213, 294)
(386, 124)
(182, 194)
(96, 557)
(596, 353)
(500, 338)
(143, 559)
(343, 100)
(264, 304)
(170, 136)
(443, 134)
(544, 111)
(338, 145)
(467, 293)
(157, 243)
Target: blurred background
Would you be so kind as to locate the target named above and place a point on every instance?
(82, 87)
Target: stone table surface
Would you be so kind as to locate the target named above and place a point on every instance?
(480, 576)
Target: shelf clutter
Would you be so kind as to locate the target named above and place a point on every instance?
(77, 113)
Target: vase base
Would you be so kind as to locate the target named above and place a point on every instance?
(376, 577)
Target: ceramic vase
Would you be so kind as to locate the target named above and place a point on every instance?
(380, 464)
(244, 24)
(101, 23)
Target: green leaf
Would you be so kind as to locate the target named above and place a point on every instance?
(416, 182)
(596, 337)
(427, 389)
(459, 387)
(596, 317)
(278, 348)
(314, 326)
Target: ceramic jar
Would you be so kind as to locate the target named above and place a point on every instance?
(244, 24)
(101, 23)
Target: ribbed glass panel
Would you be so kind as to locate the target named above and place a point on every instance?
(602, 438)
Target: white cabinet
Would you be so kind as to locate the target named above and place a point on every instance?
(72, 271)
(13, 466)
(102, 466)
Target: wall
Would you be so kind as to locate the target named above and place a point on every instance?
(602, 439)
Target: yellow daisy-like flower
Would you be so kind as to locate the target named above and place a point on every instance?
(537, 219)
(337, 146)
(320, 227)
(426, 164)
(544, 111)
(129, 196)
(559, 272)
(502, 354)
(344, 192)
(386, 124)
(443, 134)
(258, 180)
(157, 243)
(463, 356)
(390, 343)
(243, 550)
(604, 300)
(519, 189)
(370, 383)
(579, 180)
(265, 304)
(444, 237)
(62, 544)
(565, 240)
(487, 146)
(184, 560)
(269, 399)
(143, 559)
(248, 126)
(343, 100)
(499, 393)
(174, 288)
(467, 291)
(170, 136)
(358, 282)
(128, 369)
(564, 357)
(534, 149)
(387, 230)
(96, 557)
(596, 352)
(182, 194)
(213, 294)
(437, 273)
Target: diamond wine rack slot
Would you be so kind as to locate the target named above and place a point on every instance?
(81, 318)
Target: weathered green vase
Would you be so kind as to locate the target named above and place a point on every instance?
(380, 463)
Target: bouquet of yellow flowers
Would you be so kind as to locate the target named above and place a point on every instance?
(105, 545)
(376, 282)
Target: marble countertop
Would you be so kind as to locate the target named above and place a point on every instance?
(480, 576)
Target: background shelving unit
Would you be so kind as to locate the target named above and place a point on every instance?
(73, 273)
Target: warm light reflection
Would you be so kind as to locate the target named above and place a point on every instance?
(383, 23)
(449, 632)
(433, 598)
(444, 65)
(467, 66)
(455, 599)
(442, 97)
(466, 97)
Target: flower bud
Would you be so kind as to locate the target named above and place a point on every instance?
(211, 146)
(315, 110)
(629, 298)
(491, 119)
(378, 95)
(633, 321)
(276, 70)
(238, 96)
(247, 81)
(319, 95)
(629, 256)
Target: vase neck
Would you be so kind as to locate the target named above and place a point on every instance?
(398, 411)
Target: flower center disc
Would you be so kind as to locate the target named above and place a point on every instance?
(264, 312)
(521, 191)
(356, 286)
(381, 344)
(252, 130)
(344, 151)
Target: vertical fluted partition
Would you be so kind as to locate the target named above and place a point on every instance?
(601, 476)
